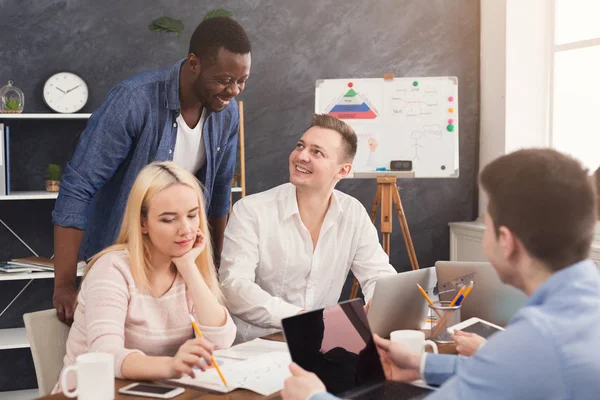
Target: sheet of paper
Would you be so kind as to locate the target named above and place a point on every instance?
(264, 375)
(253, 348)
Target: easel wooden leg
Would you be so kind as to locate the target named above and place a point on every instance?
(376, 202)
(387, 193)
(386, 214)
(405, 232)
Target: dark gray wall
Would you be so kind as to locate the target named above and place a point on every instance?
(294, 43)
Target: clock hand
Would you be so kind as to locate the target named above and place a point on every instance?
(62, 91)
(70, 90)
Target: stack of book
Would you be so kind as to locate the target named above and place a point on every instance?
(33, 264)
(28, 264)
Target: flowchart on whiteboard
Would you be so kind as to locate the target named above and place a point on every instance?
(412, 119)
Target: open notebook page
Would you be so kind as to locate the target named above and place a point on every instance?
(264, 375)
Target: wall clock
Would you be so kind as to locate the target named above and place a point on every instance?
(65, 92)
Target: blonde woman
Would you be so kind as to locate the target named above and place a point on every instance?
(137, 295)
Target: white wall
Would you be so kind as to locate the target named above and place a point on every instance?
(515, 77)
(492, 123)
(528, 52)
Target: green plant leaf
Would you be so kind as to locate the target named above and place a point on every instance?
(219, 12)
(12, 103)
(166, 24)
(53, 172)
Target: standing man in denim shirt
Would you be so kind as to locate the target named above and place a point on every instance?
(185, 113)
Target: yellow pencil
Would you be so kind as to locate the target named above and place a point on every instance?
(466, 293)
(455, 299)
(212, 359)
(428, 300)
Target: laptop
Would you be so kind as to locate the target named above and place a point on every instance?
(336, 344)
(490, 299)
(397, 303)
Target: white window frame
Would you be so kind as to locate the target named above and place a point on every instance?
(554, 49)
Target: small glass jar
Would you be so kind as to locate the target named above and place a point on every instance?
(12, 99)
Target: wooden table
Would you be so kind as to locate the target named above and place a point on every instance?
(238, 394)
(189, 394)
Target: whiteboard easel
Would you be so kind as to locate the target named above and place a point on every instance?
(396, 119)
(412, 119)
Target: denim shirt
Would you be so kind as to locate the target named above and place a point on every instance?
(550, 349)
(135, 126)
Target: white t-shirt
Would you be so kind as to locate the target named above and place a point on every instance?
(190, 152)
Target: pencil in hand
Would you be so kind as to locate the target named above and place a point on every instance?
(212, 358)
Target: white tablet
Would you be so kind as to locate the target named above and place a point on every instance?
(150, 390)
(477, 326)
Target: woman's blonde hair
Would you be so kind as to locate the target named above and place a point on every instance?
(153, 179)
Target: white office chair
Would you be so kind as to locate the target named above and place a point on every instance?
(47, 336)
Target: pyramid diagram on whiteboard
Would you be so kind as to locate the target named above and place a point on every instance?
(352, 105)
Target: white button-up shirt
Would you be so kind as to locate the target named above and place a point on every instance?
(269, 270)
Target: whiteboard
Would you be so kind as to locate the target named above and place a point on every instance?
(397, 119)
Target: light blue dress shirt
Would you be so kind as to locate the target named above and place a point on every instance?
(550, 349)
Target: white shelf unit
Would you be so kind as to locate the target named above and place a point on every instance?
(15, 338)
(27, 394)
(42, 195)
(35, 194)
(45, 116)
(32, 195)
(22, 276)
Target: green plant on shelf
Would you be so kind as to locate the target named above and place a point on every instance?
(171, 25)
(12, 103)
(53, 172)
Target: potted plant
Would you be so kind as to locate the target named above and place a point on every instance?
(12, 99)
(176, 26)
(53, 174)
(12, 105)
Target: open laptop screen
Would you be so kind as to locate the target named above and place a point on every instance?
(336, 344)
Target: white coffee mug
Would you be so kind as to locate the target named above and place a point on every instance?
(414, 340)
(95, 377)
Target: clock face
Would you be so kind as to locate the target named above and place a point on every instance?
(65, 92)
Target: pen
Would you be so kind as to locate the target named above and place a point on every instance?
(465, 294)
(212, 359)
(455, 299)
(428, 300)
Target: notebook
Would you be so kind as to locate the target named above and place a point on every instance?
(261, 366)
(264, 375)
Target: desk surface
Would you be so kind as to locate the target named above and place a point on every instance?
(199, 394)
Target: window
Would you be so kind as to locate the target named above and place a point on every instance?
(575, 100)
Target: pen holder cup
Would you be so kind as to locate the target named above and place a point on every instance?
(442, 317)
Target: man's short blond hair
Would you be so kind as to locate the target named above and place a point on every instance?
(349, 138)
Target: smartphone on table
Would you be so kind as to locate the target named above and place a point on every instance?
(151, 390)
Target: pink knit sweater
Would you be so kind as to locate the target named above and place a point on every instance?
(113, 316)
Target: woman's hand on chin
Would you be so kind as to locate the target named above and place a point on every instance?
(188, 259)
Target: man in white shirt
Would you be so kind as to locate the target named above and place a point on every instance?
(290, 248)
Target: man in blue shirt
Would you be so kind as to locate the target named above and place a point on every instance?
(186, 113)
(540, 222)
